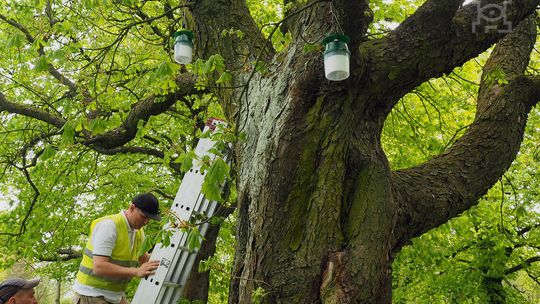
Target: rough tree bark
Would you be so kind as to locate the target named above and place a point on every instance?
(321, 213)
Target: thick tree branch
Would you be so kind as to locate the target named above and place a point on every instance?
(523, 264)
(449, 184)
(507, 61)
(137, 150)
(210, 22)
(50, 118)
(326, 17)
(433, 41)
(113, 141)
(241, 54)
(128, 150)
(18, 26)
(356, 16)
(62, 255)
(142, 111)
(527, 229)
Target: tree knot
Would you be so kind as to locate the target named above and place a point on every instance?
(335, 286)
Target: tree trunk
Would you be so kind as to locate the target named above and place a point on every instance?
(320, 212)
(58, 292)
(494, 289)
(316, 210)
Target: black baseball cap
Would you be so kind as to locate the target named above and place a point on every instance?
(148, 204)
(10, 287)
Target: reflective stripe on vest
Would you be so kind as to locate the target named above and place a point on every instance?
(121, 255)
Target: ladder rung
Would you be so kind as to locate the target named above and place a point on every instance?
(171, 284)
(184, 248)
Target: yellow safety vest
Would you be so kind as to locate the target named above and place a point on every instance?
(121, 255)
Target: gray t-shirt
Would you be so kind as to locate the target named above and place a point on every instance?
(103, 241)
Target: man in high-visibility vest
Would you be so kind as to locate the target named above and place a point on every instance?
(111, 257)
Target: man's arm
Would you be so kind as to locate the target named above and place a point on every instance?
(104, 240)
(104, 267)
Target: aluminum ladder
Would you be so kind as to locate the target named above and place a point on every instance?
(176, 260)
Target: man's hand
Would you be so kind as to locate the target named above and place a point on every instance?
(104, 267)
(147, 269)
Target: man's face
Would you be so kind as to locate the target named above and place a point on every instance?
(139, 219)
(23, 296)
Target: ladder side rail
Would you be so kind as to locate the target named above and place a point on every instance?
(176, 260)
(184, 260)
(180, 275)
(183, 275)
(147, 291)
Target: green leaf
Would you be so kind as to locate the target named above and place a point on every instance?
(89, 4)
(231, 32)
(58, 54)
(239, 34)
(242, 136)
(198, 66)
(194, 239)
(204, 266)
(41, 64)
(98, 126)
(164, 70)
(145, 247)
(48, 152)
(258, 295)
(38, 43)
(221, 170)
(187, 161)
(311, 47)
(224, 77)
(217, 220)
(205, 160)
(214, 63)
(68, 134)
(15, 40)
(260, 67)
(497, 75)
(166, 238)
(214, 179)
(158, 237)
(167, 156)
(218, 63)
(208, 66)
(521, 211)
(79, 126)
(212, 191)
